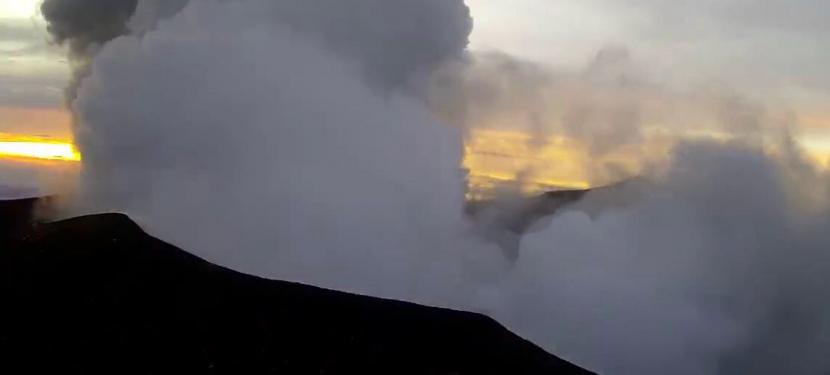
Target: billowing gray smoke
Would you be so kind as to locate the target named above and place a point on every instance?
(224, 100)
(83, 24)
(272, 137)
(718, 271)
(415, 37)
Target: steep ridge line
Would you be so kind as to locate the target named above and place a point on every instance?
(98, 295)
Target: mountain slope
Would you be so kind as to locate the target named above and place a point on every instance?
(16, 217)
(98, 295)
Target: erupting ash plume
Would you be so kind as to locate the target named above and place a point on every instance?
(84, 26)
(307, 144)
(298, 140)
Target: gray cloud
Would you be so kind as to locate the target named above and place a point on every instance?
(415, 36)
(779, 15)
(719, 270)
(773, 50)
(30, 94)
(19, 30)
(32, 90)
(23, 42)
(82, 24)
(293, 122)
(767, 44)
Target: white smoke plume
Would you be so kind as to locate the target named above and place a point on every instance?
(718, 266)
(284, 138)
(718, 271)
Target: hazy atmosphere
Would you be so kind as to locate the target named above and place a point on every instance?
(340, 143)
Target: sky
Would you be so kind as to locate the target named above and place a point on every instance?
(32, 115)
(32, 74)
(774, 52)
(771, 53)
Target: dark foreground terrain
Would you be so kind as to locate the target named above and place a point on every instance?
(16, 217)
(98, 295)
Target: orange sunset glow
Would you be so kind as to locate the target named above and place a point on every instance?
(34, 148)
(496, 157)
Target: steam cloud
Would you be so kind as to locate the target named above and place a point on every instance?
(84, 26)
(290, 139)
(414, 37)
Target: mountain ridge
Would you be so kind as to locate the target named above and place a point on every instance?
(94, 293)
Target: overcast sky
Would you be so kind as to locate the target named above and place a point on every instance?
(773, 50)
(771, 44)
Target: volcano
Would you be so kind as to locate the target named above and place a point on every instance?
(96, 294)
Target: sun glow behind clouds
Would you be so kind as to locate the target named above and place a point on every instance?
(34, 148)
(495, 158)
(507, 159)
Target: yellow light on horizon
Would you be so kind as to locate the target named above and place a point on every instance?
(497, 159)
(44, 150)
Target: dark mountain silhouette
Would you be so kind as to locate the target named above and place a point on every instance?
(98, 295)
(16, 217)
